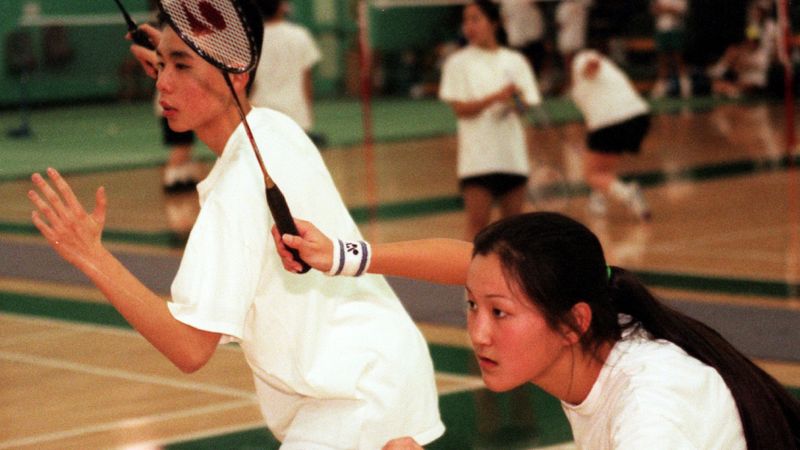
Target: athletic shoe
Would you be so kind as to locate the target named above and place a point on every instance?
(597, 205)
(637, 203)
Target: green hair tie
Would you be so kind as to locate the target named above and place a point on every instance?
(608, 272)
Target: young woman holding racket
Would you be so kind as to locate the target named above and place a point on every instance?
(488, 86)
(544, 308)
(337, 364)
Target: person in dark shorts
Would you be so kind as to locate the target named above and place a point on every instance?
(617, 119)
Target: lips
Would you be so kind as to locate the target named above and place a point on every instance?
(487, 363)
(168, 110)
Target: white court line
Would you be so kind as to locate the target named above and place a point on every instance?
(125, 423)
(125, 375)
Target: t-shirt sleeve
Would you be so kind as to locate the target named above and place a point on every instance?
(311, 55)
(221, 267)
(452, 84)
(525, 80)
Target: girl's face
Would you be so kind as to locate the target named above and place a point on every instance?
(477, 28)
(511, 339)
(193, 93)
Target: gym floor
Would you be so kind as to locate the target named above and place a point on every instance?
(723, 245)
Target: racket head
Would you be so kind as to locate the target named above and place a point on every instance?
(226, 33)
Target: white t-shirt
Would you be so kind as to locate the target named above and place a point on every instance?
(523, 21)
(608, 98)
(652, 395)
(494, 140)
(288, 51)
(337, 362)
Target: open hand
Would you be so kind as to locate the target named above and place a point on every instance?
(62, 220)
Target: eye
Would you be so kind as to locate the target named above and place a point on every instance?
(180, 66)
(499, 313)
(471, 306)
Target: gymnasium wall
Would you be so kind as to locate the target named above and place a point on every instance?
(93, 66)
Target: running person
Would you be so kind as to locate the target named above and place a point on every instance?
(337, 364)
(617, 119)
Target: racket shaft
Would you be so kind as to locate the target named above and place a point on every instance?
(283, 220)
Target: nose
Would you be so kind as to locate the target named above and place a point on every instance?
(479, 329)
(163, 83)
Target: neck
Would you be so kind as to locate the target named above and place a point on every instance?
(216, 135)
(581, 370)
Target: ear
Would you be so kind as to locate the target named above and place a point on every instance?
(239, 81)
(582, 318)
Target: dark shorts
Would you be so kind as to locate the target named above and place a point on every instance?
(498, 184)
(670, 41)
(174, 137)
(622, 137)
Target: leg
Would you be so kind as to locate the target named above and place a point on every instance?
(512, 203)
(600, 170)
(478, 206)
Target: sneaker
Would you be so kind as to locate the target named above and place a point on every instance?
(637, 203)
(597, 204)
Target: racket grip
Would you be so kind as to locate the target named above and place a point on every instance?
(139, 37)
(283, 220)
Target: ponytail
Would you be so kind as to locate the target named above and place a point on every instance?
(770, 415)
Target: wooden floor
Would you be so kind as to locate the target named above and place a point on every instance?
(726, 214)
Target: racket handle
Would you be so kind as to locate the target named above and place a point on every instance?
(139, 37)
(283, 220)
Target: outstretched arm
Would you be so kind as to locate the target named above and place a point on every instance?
(76, 236)
(443, 261)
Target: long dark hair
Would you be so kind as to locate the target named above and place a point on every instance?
(491, 10)
(558, 262)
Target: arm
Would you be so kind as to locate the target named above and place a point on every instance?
(467, 109)
(308, 91)
(147, 58)
(76, 236)
(443, 261)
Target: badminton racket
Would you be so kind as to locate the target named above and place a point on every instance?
(138, 36)
(228, 34)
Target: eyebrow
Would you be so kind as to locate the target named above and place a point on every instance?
(175, 54)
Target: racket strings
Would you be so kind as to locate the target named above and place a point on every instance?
(215, 29)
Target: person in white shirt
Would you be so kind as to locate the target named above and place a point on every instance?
(617, 120)
(337, 363)
(572, 17)
(526, 30)
(489, 86)
(670, 36)
(283, 81)
(543, 307)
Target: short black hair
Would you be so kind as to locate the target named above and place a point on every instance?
(269, 8)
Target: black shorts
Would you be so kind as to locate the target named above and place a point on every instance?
(622, 137)
(498, 184)
(174, 137)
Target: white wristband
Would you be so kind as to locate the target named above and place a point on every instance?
(350, 258)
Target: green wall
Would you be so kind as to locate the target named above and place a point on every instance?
(100, 50)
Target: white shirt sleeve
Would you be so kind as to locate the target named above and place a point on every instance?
(221, 267)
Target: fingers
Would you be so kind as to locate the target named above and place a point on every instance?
(147, 59)
(54, 208)
(152, 32)
(100, 201)
(286, 258)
